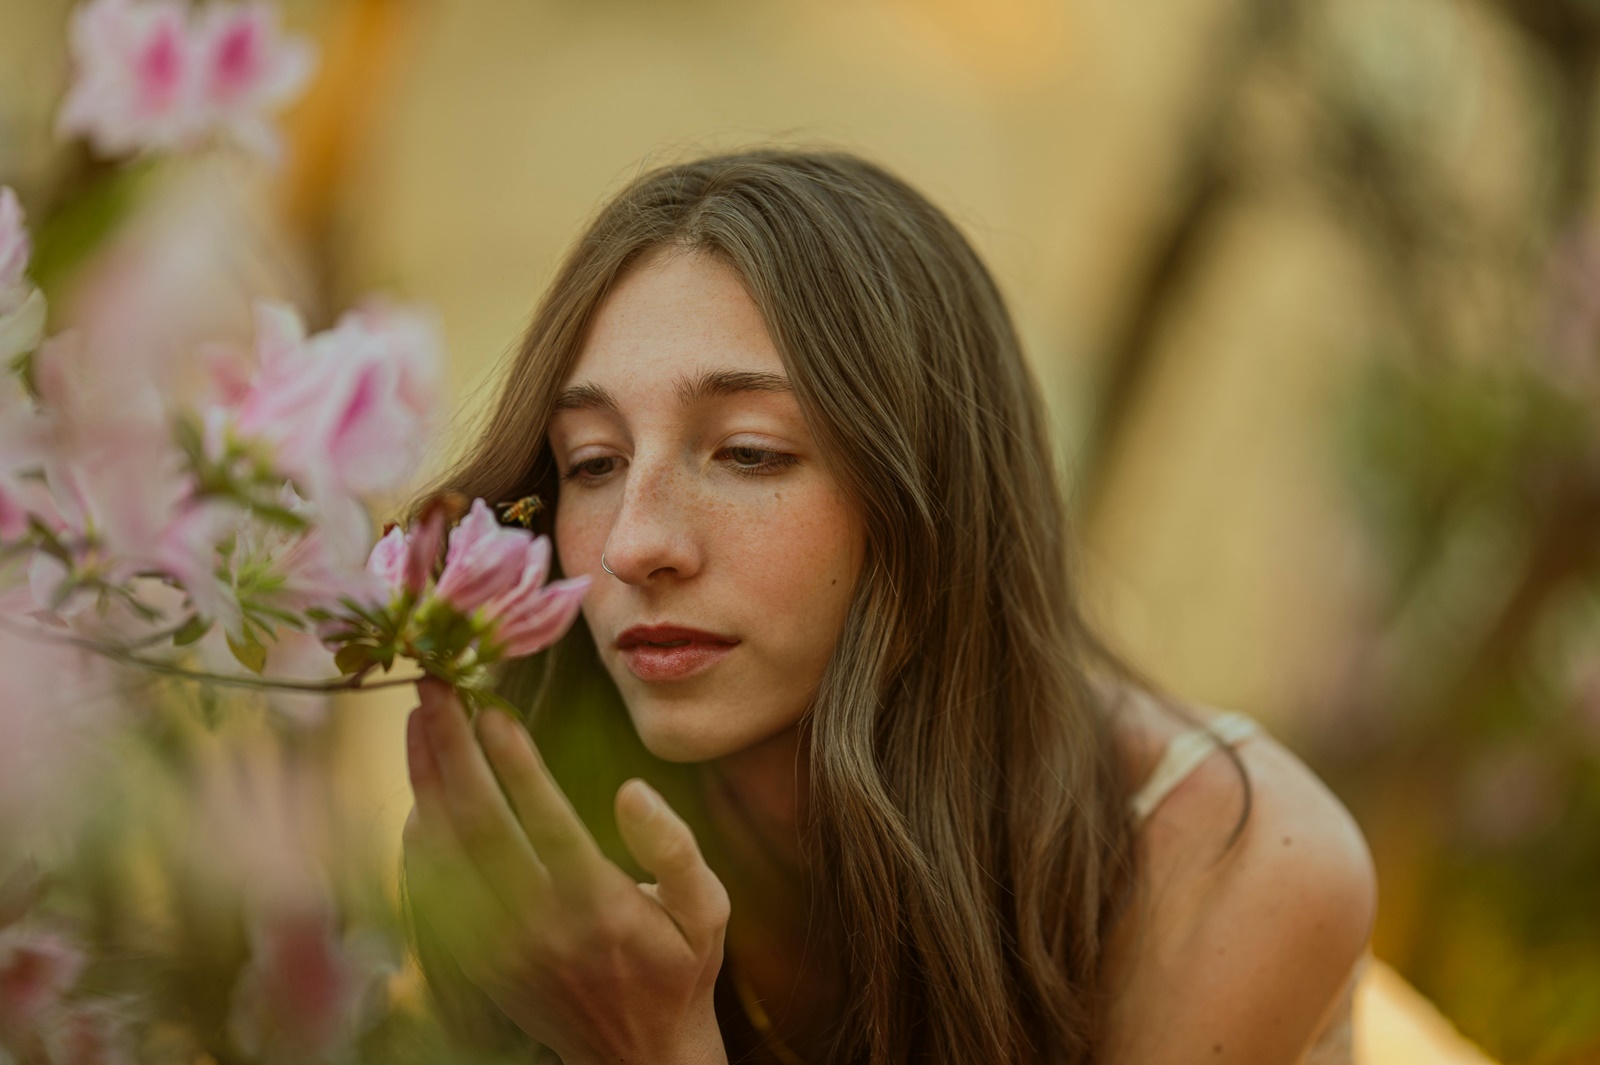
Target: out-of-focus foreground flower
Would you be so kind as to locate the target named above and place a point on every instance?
(153, 75)
(248, 496)
(22, 306)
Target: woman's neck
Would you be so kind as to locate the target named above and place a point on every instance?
(780, 947)
(758, 801)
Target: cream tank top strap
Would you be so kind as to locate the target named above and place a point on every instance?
(1186, 751)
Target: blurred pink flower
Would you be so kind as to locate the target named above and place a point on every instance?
(15, 244)
(415, 343)
(61, 708)
(22, 307)
(121, 488)
(145, 79)
(134, 81)
(338, 410)
(247, 68)
(89, 1033)
(499, 572)
(181, 271)
(37, 968)
(24, 439)
(232, 562)
(308, 992)
(114, 475)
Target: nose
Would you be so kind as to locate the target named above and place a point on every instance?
(654, 533)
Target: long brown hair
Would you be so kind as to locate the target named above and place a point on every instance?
(969, 812)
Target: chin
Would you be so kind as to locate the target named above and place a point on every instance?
(670, 741)
(681, 732)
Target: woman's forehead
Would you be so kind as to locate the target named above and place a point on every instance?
(674, 313)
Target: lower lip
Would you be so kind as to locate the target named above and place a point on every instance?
(653, 664)
(674, 663)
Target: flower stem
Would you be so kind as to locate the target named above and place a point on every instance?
(354, 682)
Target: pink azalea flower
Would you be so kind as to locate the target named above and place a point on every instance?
(146, 79)
(404, 560)
(336, 410)
(22, 307)
(36, 969)
(247, 68)
(533, 622)
(308, 992)
(415, 342)
(499, 571)
(135, 74)
(484, 559)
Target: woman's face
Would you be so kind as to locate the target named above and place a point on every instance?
(685, 459)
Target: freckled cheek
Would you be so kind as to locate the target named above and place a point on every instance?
(800, 563)
(580, 534)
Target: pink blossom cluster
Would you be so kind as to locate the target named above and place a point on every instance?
(153, 75)
(261, 514)
(40, 1018)
(249, 500)
(493, 575)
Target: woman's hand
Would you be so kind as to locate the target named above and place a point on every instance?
(586, 961)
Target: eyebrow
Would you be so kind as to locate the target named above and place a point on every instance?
(708, 385)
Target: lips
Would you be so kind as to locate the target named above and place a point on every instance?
(669, 634)
(672, 652)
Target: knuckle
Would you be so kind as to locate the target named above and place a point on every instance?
(676, 847)
(718, 906)
(610, 925)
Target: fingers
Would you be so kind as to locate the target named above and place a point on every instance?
(663, 844)
(446, 889)
(461, 811)
(559, 836)
(457, 787)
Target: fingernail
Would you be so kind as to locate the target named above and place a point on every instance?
(647, 798)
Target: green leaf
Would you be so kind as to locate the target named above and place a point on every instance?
(102, 196)
(191, 631)
(250, 652)
(353, 657)
(283, 517)
(190, 439)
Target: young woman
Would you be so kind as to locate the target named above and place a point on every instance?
(906, 807)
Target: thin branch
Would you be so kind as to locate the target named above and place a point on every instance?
(354, 682)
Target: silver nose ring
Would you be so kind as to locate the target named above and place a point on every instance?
(605, 567)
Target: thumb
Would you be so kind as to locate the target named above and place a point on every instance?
(663, 844)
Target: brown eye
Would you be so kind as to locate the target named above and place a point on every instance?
(589, 469)
(755, 460)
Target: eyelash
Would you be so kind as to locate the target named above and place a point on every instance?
(776, 460)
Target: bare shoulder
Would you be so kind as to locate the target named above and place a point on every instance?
(1245, 952)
